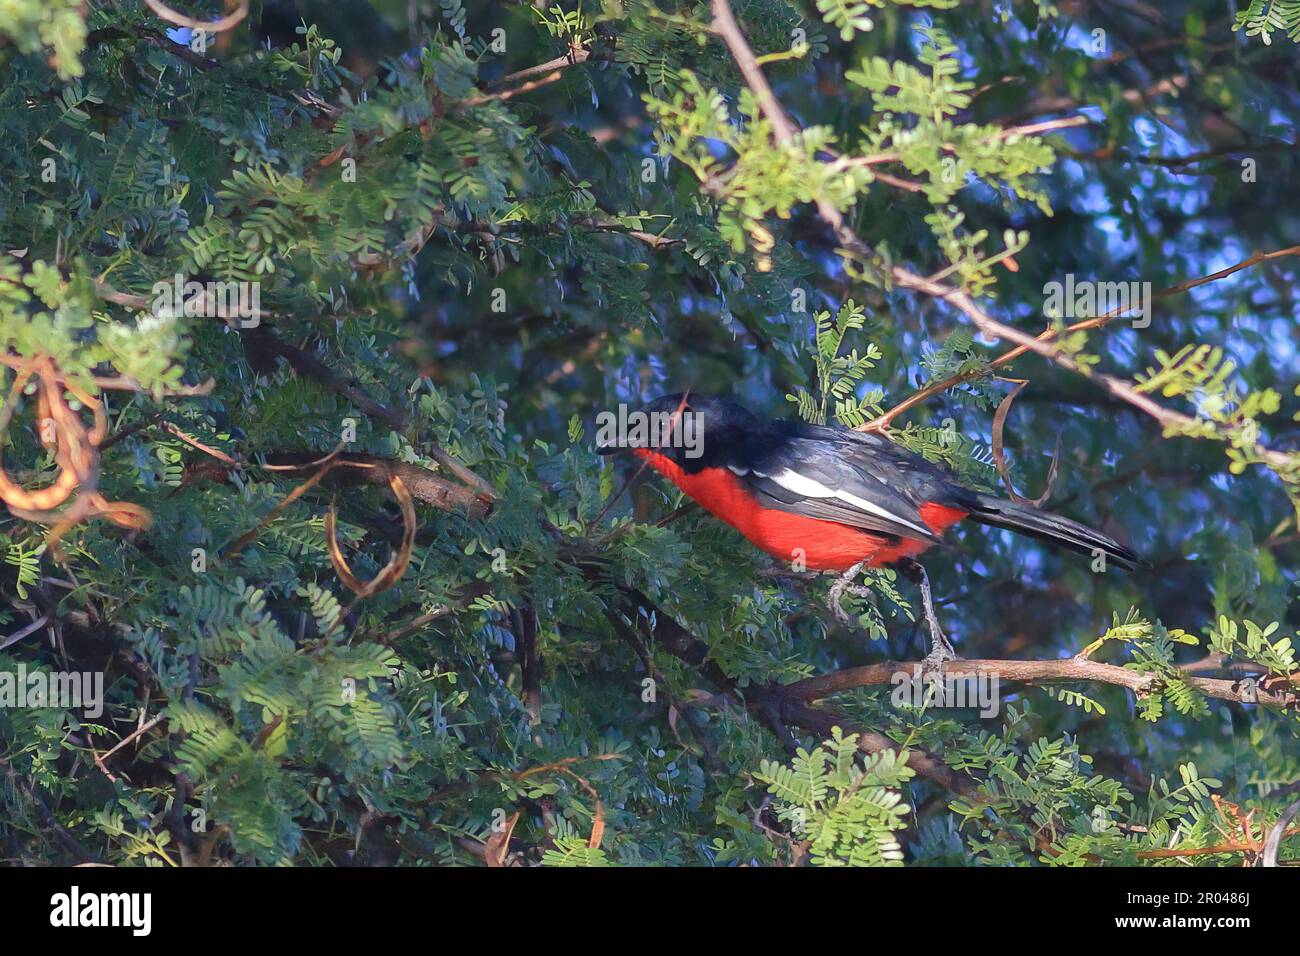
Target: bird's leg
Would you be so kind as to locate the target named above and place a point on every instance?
(940, 648)
(845, 583)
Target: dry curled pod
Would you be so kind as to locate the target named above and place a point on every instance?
(76, 449)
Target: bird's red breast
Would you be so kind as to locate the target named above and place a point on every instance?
(821, 545)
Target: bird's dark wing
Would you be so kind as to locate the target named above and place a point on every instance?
(864, 481)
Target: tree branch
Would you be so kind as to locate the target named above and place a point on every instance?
(1277, 691)
(775, 707)
(423, 484)
(65, 838)
(543, 74)
(724, 25)
(1096, 322)
(1278, 460)
(262, 339)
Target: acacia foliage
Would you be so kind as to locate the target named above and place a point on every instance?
(462, 259)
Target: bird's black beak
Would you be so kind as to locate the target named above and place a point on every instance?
(610, 449)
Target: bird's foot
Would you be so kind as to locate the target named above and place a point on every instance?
(844, 585)
(941, 650)
(932, 676)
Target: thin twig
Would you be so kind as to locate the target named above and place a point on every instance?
(101, 759)
(19, 634)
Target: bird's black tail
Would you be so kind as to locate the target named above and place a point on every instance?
(1028, 520)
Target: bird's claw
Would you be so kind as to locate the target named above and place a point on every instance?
(941, 652)
(844, 584)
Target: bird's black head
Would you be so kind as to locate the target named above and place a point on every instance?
(695, 430)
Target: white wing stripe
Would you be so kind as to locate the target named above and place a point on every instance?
(810, 488)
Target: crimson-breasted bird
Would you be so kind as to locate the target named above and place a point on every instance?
(835, 499)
